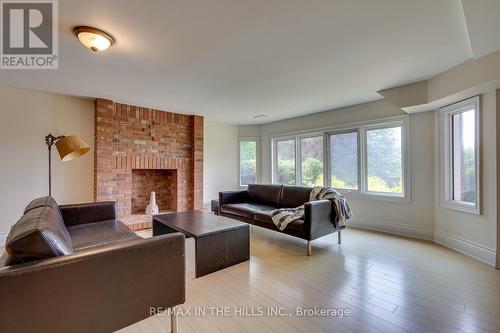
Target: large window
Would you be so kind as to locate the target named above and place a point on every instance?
(311, 157)
(344, 162)
(384, 160)
(460, 156)
(368, 158)
(249, 153)
(285, 162)
(464, 168)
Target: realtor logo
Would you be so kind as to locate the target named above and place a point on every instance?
(29, 35)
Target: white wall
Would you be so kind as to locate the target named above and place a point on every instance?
(474, 235)
(415, 218)
(220, 167)
(249, 130)
(498, 176)
(469, 233)
(26, 117)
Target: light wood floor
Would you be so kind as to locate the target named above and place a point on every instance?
(389, 284)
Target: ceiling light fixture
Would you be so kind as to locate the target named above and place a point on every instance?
(260, 116)
(93, 38)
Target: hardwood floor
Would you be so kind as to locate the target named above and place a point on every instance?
(388, 283)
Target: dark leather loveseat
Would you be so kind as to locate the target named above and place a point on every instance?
(255, 205)
(77, 268)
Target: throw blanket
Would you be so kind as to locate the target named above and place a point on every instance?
(284, 216)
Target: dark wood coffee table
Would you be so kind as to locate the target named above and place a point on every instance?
(220, 242)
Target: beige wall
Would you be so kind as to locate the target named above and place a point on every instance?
(221, 159)
(497, 141)
(469, 233)
(474, 235)
(26, 117)
(469, 75)
(415, 218)
(249, 130)
(423, 217)
(360, 112)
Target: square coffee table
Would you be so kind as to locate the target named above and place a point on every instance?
(219, 242)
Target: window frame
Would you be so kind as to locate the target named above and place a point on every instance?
(328, 176)
(298, 158)
(361, 128)
(274, 152)
(446, 155)
(255, 139)
(365, 159)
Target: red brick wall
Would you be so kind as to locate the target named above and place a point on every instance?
(198, 161)
(130, 137)
(104, 181)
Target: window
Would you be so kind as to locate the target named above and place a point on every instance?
(249, 153)
(285, 157)
(344, 170)
(464, 168)
(311, 157)
(460, 156)
(384, 160)
(368, 159)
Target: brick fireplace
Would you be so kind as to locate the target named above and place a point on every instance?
(162, 182)
(140, 150)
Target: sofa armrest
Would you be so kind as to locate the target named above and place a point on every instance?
(227, 197)
(88, 212)
(318, 218)
(96, 290)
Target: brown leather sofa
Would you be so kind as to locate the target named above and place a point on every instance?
(255, 205)
(77, 268)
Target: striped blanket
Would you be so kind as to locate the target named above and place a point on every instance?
(284, 216)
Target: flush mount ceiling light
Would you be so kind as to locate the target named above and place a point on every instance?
(93, 38)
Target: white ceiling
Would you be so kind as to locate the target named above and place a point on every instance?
(230, 60)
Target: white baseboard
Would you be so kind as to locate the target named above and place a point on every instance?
(464, 246)
(392, 227)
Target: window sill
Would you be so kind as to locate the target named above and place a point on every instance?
(461, 207)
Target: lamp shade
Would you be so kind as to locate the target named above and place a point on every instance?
(71, 147)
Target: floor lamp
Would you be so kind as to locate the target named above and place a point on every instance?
(68, 147)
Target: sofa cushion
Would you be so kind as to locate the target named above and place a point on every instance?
(247, 209)
(266, 218)
(88, 212)
(264, 194)
(39, 234)
(43, 202)
(294, 196)
(99, 233)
